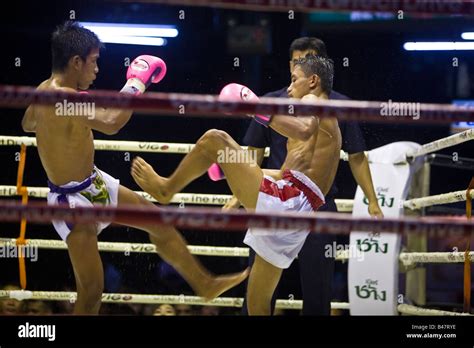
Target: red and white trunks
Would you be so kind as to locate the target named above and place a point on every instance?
(295, 192)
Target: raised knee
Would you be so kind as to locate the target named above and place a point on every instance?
(214, 136)
(215, 133)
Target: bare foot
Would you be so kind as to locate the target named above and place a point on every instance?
(149, 180)
(221, 284)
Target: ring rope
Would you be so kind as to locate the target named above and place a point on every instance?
(211, 106)
(203, 250)
(146, 248)
(343, 205)
(413, 310)
(434, 257)
(25, 195)
(196, 301)
(443, 143)
(183, 148)
(151, 299)
(132, 146)
(416, 7)
(443, 198)
(236, 220)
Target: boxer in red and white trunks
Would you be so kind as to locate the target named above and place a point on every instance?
(300, 185)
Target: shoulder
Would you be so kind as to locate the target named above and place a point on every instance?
(310, 97)
(49, 85)
(65, 89)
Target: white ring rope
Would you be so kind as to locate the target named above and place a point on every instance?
(114, 145)
(121, 247)
(132, 146)
(434, 257)
(203, 250)
(183, 148)
(443, 143)
(413, 310)
(343, 205)
(444, 198)
(212, 199)
(151, 299)
(195, 301)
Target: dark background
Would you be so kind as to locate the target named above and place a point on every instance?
(200, 60)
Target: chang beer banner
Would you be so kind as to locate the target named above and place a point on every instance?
(373, 278)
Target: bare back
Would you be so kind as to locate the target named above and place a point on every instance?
(65, 146)
(317, 157)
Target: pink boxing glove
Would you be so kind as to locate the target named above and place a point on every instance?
(143, 71)
(215, 172)
(234, 92)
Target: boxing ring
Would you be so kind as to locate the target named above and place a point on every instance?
(407, 259)
(214, 218)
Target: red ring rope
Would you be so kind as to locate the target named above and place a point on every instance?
(408, 6)
(215, 219)
(208, 105)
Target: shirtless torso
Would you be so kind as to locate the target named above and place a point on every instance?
(65, 146)
(317, 157)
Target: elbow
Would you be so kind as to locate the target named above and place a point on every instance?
(28, 128)
(111, 127)
(309, 129)
(110, 131)
(305, 134)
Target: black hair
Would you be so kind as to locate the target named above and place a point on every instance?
(318, 65)
(69, 40)
(309, 43)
